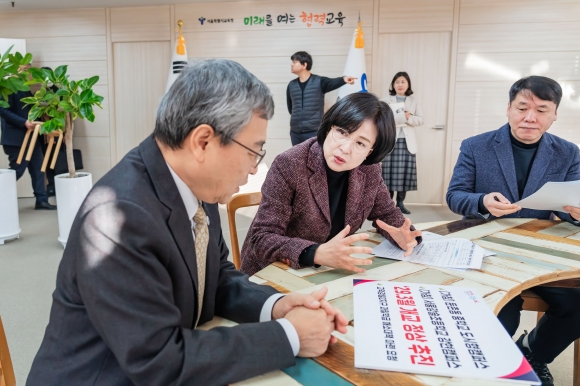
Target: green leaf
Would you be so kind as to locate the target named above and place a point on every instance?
(46, 73)
(55, 99)
(59, 122)
(18, 56)
(7, 52)
(47, 97)
(86, 95)
(62, 92)
(48, 127)
(37, 73)
(60, 71)
(40, 93)
(29, 100)
(35, 113)
(27, 59)
(4, 104)
(66, 106)
(87, 110)
(75, 100)
(92, 81)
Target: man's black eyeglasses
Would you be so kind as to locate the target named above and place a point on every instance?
(259, 156)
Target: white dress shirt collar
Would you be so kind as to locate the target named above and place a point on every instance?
(189, 200)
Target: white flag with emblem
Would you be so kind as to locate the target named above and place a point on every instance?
(178, 58)
(355, 65)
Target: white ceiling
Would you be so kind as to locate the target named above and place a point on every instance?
(23, 5)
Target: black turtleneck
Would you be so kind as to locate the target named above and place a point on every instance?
(524, 155)
(337, 192)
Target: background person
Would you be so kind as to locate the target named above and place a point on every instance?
(305, 97)
(400, 166)
(15, 123)
(318, 194)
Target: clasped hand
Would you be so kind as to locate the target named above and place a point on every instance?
(313, 318)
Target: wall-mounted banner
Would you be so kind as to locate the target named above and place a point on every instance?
(268, 20)
(436, 330)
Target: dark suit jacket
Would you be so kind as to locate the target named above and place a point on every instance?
(294, 212)
(13, 120)
(486, 164)
(126, 293)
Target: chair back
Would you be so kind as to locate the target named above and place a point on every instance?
(239, 201)
(7, 377)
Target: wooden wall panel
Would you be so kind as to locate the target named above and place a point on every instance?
(520, 11)
(415, 16)
(190, 14)
(256, 44)
(65, 50)
(491, 66)
(96, 155)
(430, 84)
(519, 37)
(140, 24)
(61, 23)
(100, 127)
(140, 71)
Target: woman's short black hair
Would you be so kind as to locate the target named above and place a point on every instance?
(543, 88)
(304, 58)
(392, 90)
(350, 112)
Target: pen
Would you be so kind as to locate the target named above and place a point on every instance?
(495, 198)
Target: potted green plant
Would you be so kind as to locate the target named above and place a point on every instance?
(60, 101)
(12, 80)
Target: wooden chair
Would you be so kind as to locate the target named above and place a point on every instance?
(7, 377)
(239, 201)
(533, 302)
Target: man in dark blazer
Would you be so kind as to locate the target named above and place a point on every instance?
(146, 261)
(500, 167)
(14, 125)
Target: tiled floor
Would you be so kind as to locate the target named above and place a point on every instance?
(28, 272)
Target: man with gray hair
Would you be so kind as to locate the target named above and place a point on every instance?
(146, 262)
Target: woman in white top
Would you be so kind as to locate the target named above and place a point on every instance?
(400, 166)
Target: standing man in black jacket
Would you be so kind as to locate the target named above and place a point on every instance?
(14, 125)
(305, 97)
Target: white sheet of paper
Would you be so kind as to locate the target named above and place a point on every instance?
(444, 253)
(399, 112)
(553, 196)
(429, 236)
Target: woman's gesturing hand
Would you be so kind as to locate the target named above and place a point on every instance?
(403, 236)
(336, 252)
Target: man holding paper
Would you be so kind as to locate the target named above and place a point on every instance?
(500, 167)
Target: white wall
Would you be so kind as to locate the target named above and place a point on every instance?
(493, 42)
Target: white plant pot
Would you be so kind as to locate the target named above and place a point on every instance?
(9, 222)
(70, 194)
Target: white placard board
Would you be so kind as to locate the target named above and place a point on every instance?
(436, 330)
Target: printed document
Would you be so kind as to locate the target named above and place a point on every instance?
(553, 196)
(443, 253)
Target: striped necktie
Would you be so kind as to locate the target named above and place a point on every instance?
(201, 241)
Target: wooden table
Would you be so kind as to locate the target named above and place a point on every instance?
(528, 253)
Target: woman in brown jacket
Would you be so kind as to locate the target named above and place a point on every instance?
(318, 193)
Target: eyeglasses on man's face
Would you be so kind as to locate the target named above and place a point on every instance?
(342, 136)
(258, 157)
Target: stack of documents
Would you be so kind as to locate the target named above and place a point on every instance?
(437, 251)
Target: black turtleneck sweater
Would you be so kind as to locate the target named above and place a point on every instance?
(337, 192)
(524, 155)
